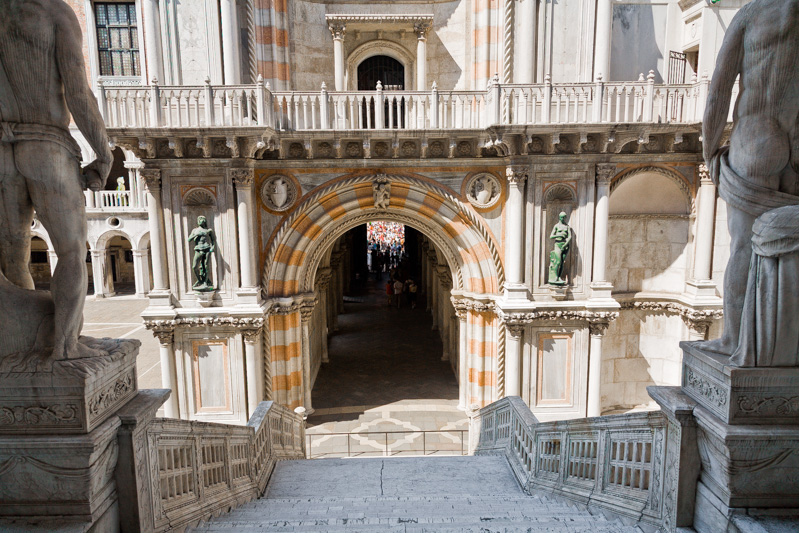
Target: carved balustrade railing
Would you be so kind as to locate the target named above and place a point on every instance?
(547, 103)
(196, 470)
(618, 462)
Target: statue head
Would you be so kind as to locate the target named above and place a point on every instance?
(202, 222)
(562, 216)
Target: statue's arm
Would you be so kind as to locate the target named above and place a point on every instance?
(79, 97)
(212, 239)
(728, 66)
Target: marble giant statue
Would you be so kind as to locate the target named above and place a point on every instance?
(43, 83)
(562, 235)
(204, 245)
(758, 178)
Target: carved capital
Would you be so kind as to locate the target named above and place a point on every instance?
(242, 177)
(516, 174)
(323, 275)
(605, 172)
(421, 29)
(306, 313)
(597, 328)
(338, 30)
(704, 174)
(516, 330)
(152, 178)
(698, 325)
(250, 335)
(165, 336)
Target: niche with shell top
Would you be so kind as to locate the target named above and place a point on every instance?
(199, 201)
(559, 198)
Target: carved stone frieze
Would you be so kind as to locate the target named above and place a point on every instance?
(466, 305)
(58, 414)
(598, 318)
(168, 325)
(696, 319)
(111, 395)
(706, 388)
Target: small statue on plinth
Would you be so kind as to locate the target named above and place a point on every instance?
(204, 246)
(562, 235)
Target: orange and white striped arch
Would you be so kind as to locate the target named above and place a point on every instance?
(298, 246)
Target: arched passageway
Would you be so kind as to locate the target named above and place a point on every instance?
(309, 268)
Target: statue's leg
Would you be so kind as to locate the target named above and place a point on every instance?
(739, 224)
(197, 268)
(16, 215)
(53, 177)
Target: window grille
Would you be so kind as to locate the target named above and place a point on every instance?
(117, 39)
(677, 62)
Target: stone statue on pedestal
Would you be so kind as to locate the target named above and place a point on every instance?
(562, 235)
(204, 246)
(758, 178)
(43, 83)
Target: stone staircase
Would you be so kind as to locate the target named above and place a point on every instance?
(414, 494)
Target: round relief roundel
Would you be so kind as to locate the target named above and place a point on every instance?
(483, 190)
(278, 193)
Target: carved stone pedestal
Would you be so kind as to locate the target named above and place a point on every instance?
(747, 435)
(58, 439)
(69, 396)
(760, 395)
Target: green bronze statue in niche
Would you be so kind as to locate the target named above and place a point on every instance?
(204, 246)
(562, 235)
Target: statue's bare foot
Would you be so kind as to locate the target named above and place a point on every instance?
(720, 346)
(75, 350)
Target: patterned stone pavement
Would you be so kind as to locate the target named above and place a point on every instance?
(385, 374)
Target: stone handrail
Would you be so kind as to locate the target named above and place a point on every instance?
(188, 471)
(547, 103)
(618, 462)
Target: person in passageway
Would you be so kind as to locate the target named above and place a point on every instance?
(398, 285)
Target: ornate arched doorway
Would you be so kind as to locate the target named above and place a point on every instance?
(299, 244)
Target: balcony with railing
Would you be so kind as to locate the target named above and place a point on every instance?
(115, 201)
(256, 106)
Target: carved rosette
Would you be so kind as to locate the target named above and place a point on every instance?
(279, 193)
(483, 190)
(151, 178)
(242, 177)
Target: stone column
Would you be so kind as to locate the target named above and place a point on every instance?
(514, 342)
(335, 289)
(141, 272)
(231, 50)
(323, 276)
(421, 29)
(604, 19)
(305, 316)
(133, 168)
(463, 360)
(101, 275)
(169, 373)
(597, 330)
(338, 30)
(243, 180)
(701, 287)
(514, 233)
(152, 40)
(444, 284)
(155, 213)
(526, 41)
(600, 288)
(254, 366)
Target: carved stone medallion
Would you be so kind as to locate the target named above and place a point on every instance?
(278, 193)
(483, 190)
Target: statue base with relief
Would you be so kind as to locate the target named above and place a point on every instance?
(58, 436)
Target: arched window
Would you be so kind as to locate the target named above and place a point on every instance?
(385, 69)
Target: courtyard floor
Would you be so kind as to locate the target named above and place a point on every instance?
(385, 374)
